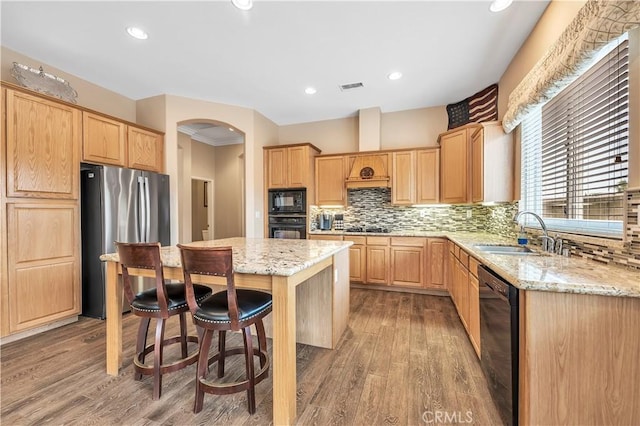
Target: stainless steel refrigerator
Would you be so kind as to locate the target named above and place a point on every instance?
(123, 205)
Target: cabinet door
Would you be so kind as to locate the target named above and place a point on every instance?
(474, 313)
(330, 181)
(145, 150)
(357, 263)
(463, 292)
(377, 264)
(436, 250)
(298, 166)
(43, 266)
(453, 167)
(277, 168)
(103, 140)
(407, 266)
(403, 178)
(477, 166)
(43, 147)
(427, 176)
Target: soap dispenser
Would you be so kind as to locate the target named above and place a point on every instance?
(522, 237)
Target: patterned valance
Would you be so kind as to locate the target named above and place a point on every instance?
(597, 23)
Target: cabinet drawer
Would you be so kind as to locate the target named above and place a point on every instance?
(408, 241)
(377, 241)
(451, 246)
(464, 259)
(356, 240)
(473, 266)
(456, 251)
(325, 237)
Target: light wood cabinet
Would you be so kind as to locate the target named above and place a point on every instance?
(427, 176)
(492, 160)
(330, 180)
(454, 166)
(407, 258)
(43, 266)
(436, 254)
(145, 150)
(43, 147)
(290, 166)
(403, 177)
(474, 312)
(378, 260)
(4, 292)
(104, 140)
(357, 259)
(476, 164)
(415, 177)
(465, 292)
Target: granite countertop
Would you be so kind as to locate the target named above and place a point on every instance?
(260, 256)
(544, 272)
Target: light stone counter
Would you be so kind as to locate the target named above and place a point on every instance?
(545, 272)
(260, 256)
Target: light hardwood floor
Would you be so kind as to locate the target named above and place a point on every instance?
(405, 359)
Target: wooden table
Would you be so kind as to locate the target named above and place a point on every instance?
(307, 280)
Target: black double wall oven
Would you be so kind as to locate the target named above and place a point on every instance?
(288, 213)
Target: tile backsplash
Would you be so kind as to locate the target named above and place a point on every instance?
(372, 208)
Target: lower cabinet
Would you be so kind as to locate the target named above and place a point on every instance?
(357, 259)
(43, 264)
(378, 260)
(407, 261)
(464, 289)
(410, 262)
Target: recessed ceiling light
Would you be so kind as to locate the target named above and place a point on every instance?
(500, 5)
(243, 4)
(396, 75)
(310, 90)
(138, 33)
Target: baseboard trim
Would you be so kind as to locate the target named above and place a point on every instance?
(32, 332)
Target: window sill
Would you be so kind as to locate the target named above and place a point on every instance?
(612, 242)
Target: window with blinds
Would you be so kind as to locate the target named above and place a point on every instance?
(575, 150)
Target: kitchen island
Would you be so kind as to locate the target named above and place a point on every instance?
(309, 281)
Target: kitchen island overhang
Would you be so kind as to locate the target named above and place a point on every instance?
(309, 282)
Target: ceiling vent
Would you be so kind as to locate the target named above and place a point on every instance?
(350, 86)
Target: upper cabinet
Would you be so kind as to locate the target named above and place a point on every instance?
(330, 176)
(476, 164)
(454, 165)
(290, 166)
(145, 149)
(492, 160)
(104, 140)
(43, 147)
(415, 177)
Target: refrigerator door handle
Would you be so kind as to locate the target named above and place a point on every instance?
(142, 213)
(147, 197)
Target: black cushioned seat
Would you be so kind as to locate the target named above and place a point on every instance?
(216, 307)
(160, 303)
(230, 310)
(176, 297)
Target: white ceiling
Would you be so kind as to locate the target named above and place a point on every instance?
(212, 134)
(264, 58)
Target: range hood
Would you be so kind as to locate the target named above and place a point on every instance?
(368, 171)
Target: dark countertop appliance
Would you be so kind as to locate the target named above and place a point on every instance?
(499, 328)
(287, 201)
(325, 221)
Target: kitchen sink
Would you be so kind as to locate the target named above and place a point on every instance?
(514, 250)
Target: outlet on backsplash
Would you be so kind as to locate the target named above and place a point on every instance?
(424, 213)
(469, 214)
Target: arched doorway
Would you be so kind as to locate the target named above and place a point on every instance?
(211, 173)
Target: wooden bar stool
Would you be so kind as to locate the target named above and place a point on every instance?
(161, 302)
(230, 310)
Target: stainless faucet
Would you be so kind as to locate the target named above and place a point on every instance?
(547, 242)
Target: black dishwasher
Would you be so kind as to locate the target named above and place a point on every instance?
(499, 322)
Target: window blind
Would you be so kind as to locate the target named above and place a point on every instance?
(575, 150)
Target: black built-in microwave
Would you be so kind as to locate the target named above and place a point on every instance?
(287, 201)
